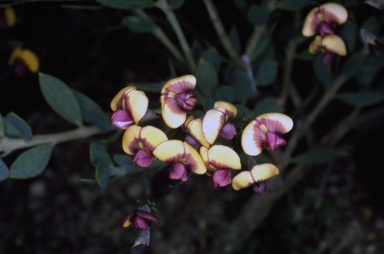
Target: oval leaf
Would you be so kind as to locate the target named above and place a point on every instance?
(257, 15)
(206, 78)
(61, 98)
(98, 154)
(4, 171)
(139, 24)
(361, 99)
(31, 162)
(102, 174)
(127, 4)
(319, 156)
(267, 71)
(20, 125)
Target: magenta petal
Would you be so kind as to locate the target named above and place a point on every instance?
(325, 28)
(178, 172)
(193, 142)
(274, 141)
(121, 119)
(228, 131)
(327, 60)
(186, 100)
(259, 188)
(221, 178)
(141, 223)
(142, 159)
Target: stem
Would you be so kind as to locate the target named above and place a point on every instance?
(159, 33)
(254, 39)
(163, 5)
(8, 145)
(218, 25)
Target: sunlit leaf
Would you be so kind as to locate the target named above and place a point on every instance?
(4, 170)
(127, 4)
(319, 156)
(61, 98)
(206, 77)
(361, 99)
(139, 24)
(23, 128)
(31, 162)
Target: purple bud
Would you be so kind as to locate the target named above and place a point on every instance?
(228, 131)
(221, 178)
(121, 119)
(259, 188)
(325, 28)
(274, 141)
(193, 142)
(186, 100)
(327, 60)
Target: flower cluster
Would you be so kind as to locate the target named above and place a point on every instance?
(321, 22)
(202, 150)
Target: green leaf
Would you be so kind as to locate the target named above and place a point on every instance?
(4, 171)
(139, 24)
(267, 71)
(352, 66)
(257, 15)
(234, 37)
(176, 4)
(102, 173)
(226, 93)
(319, 156)
(61, 98)
(149, 87)
(124, 161)
(22, 126)
(31, 162)
(266, 105)
(206, 77)
(98, 153)
(127, 4)
(323, 74)
(361, 99)
(10, 130)
(239, 79)
(348, 32)
(2, 127)
(212, 57)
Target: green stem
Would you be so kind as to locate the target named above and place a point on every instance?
(8, 145)
(163, 5)
(254, 39)
(159, 33)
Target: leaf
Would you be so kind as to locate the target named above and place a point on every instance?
(226, 93)
(257, 15)
(2, 127)
(295, 5)
(265, 105)
(212, 57)
(352, 66)
(22, 126)
(206, 77)
(361, 99)
(127, 4)
(4, 171)
(176, 4)
(235, 39)
(102, 173)
(139, 24)
(239, 79)
(31, 162)
(266, 73)
(319, 156)
(149, 87)
(10, 130)
(98, 153)
(61, 98)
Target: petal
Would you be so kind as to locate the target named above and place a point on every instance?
(137, 104)
(141, 242)
(193, 160)
(27, 56)
(131, 139)
(194, 127)
(311, 23)
(152, 137)
(375, 3)
(129, 219)
(334, 14)
(179, 85)
(262, 172)
(121, 119)
(333, 43)
(213, 121)
(276, 122)
(228, 131)
(260, 188)
(227, 108)
(178, 172)
(315, 45)
(253, 139)
(170, 151)
(242, 180)
(221, 178)
(223, 157)
(172, 114)
(142, 159)
(141, 223)
(146, 215)
(119, 97)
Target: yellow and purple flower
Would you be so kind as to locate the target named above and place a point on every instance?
(8, 18)
(255, 176)
(324, 19)
(176, 99)
(140, 142)
(194, 133)
(220, 160)
(183, 157)
(140, 218)
(23, 61)
(217, 121)
(129, 106)
(265, 132)
(330, 46)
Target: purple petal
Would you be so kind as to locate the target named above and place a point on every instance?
(142, 159)
(178, 172)
(324, 29)
(141, 223)
(186, 100)
(193, 142)
(274, 141)
(141, 242)
(259, 188)
(221, 178)
(228, 131)
(327, 60)
(121, 119)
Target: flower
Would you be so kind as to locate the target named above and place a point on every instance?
(141, 242)
(330, 45)
(182, 156)
(176, 98)
(220, 160)
(194, 132)
(140, 218)
(216, 121)
(140, 142)
(256, 176)
(129, 106)
(323, 19)
(265, 131)
(24, 60)
(8, 19)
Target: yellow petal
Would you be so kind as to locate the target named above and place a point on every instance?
(131, 136)
(333, 43)
(122, 93)
(10, 16)
(223, 157)
(262, 172)
(152, 137)
(311, 23)
(194, 128)
(137, 104)
(213, 121)
(29, 58)
(315, 45)
(172, 115)
(228, 108)
(169, 150)
(286, 123)
(242, 180)
(249, 144)
(196, 163)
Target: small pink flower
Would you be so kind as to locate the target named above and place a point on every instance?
(129, 106)
(220, 160)
(265, 132)
(176, 99)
